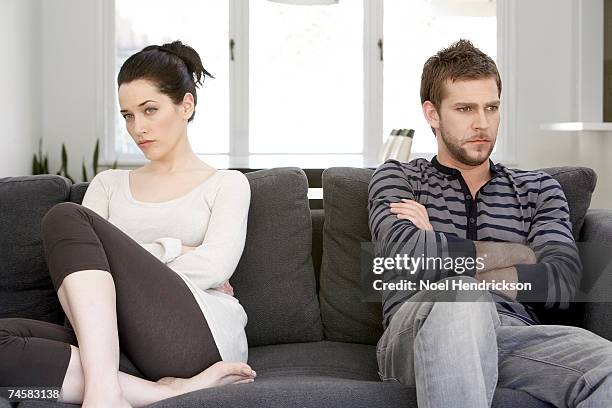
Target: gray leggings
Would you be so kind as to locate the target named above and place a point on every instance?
(162, 331)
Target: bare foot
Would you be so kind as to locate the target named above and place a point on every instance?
(218, 374)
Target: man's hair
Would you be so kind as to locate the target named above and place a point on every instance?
(460, 61)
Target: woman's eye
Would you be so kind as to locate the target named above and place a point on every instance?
(150, 110)
(128, 116)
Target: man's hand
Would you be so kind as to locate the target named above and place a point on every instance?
(505, 274)
(413, 211)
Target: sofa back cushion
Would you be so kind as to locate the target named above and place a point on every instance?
(345, 197)
(25, 286)
(345, 200)
(274, 280)
(578, 184)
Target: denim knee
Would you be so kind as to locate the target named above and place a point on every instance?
(452, 300)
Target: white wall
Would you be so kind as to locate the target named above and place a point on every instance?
(559, 79)
(558, 57)
(70, 103)
(20, 73)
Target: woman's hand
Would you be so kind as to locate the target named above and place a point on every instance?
(413, 211)
(226, 288)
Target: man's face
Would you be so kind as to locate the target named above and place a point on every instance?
(469, 120)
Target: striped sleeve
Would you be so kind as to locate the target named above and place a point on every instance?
(393, 236)
(556, 276)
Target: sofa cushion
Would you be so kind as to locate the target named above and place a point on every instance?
(578, 184)
(275, 280)
(319, 374)
(25, 286)
(345, 197)
(345, 200)
(321, 358)
(311, 392)
(77, 192)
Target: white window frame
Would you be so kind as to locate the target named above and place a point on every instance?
(506, 63)
(239, 85)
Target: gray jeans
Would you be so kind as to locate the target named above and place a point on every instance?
(457, 353)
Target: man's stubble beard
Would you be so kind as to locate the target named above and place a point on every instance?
(459, 153)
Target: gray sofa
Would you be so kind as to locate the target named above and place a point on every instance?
(312, 340)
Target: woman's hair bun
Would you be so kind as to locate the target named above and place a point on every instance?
(190, 57)
(175, 68)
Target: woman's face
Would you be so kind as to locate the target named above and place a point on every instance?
(155, 123)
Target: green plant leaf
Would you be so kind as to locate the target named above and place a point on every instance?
(45, 167)
(35, 166)
(95, 157)
(84, 172)
(64, 156)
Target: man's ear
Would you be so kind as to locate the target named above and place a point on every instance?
(188, 105)
(431, 114)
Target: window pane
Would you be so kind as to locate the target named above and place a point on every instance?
(306, 78)
(203, 25)
(414, 31)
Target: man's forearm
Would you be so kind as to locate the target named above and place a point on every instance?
(508, 275)
(500, 255)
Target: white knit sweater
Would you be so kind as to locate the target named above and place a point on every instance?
(212, 217)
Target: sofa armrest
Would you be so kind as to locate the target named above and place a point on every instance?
(596, 253)
(597, 226)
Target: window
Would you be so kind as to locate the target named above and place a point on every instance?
(309, 86)
(305, 90)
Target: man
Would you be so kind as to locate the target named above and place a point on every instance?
(513, 225)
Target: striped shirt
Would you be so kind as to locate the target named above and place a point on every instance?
(525, 207)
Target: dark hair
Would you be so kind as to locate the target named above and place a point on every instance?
(175, 68)
(459, 61)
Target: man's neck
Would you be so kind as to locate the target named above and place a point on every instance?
(474, 176)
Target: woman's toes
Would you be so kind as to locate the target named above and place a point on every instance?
(218, 374)
(237, 369)
(247, 371)
(248, 380)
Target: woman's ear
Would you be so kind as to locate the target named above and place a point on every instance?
(187, 106)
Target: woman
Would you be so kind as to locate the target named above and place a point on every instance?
(144, 262)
